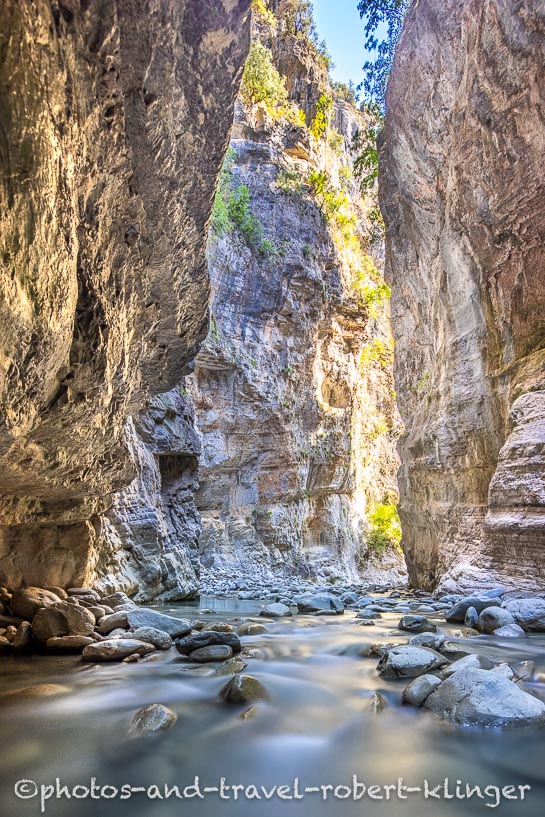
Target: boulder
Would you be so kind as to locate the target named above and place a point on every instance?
(459, 610)
(473, 661)
(208, 638)
(221, 627)
(150, 635)
(471, 617)
(416, 624)
(69, 643)
(409, 662)
(493, 618)
(151, 720)
(480, 697)
(61, 619)
(314, 603)
(420, 689)
(108, 623)
(214, 652)
(432, 640)
(244, 689)
(115, 649)
(23, 636)
(141, 617)
(28, 600)
(510, 631)
(277, 610)
(527, 613)
(252, 628)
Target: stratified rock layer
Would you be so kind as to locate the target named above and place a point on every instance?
(463, 197)
(115, 117)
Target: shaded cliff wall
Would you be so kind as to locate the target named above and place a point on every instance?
(115, 118)
(293, 389)
(463, 195)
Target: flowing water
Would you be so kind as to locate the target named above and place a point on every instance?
(317, 726)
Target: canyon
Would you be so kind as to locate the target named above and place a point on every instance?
(150, 446)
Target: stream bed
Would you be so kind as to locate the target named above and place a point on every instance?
(319, 726)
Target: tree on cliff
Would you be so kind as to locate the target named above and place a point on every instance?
(383, 23)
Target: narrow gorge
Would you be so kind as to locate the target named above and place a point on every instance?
(272, 389)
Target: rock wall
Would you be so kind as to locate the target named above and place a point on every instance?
(463, 198)
(293, 389)
(115, 119)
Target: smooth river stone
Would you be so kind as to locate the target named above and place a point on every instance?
(115, 649)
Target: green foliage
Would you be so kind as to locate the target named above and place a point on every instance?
(346, 92)
(261, 82)
(264, 14)
(220, 222)
(377, 351)
(334, 204)
(289, 181)
(365, 144)
(214, 332)
(377, 230)
(241, 215)
(297, 18)
(374, 294)
(335, 141)
(307, 251)
(377, 15)
(319, 125)
(384, 531)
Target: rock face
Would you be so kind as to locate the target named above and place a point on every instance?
(463, 200)
(107, 176)
(293, 389)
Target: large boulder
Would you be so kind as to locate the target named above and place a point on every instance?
(528, 613)
(115, 649)
(316, 603)
(62, 619)
(458, 611)
(492, 618)
(409, 662)
(141, 617)
(480, 697)
(28, 600)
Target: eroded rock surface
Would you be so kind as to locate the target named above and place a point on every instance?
(463, 200)
(115, 118)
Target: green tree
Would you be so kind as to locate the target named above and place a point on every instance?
(298, 19)
(319, 124)
(377, 14)
(261, 82)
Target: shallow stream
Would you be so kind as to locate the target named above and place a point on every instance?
(318, 726)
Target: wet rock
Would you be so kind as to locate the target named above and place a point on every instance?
(458, 611)
(416, 624)
(249, 714)
(471, 617)
(349, 598)
(221, 627)
(208, 638)
(420, 689)
(152, 720)
(150, 635)
(277, 610)
(254, 652)
(505, 670)
(23, 636)
(474, 661)
(453, 650)
(366, 622)
(116, 649)
(98, 612)
(480, 697)
(5, 643)
(232, 666)
(69, 643)
(58, 591)
(244, 689)
(493, 618)
(86, 592)
(140, 617)
(113, 622)
(432, 640)
(368, 614)
(36, 691)
(527, 613)
(376, 704)
(27, 601)
(114, 599)
(252, 628)
(409, 661)
(510, 631)
(61, 619)
(313, 603)
(524, 670)
(215, 652)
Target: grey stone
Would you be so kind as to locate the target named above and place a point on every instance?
(208, 638)
(527, 613)
(152, 720)
(432, 640)
(473, 661)
(113, 622)
(159, 639)
(115, 649)
(420, 689)
(458, 611)
(510, 631)
(484, 698)
(232, 666)
(471, 617)
(312, 603)
(277, 610)
(61, 619)
(252, 628)
(416, 624)
(243, 689)
(493, 618)
(141, 617)
(408, 662)
(69, 643)
(214, 652)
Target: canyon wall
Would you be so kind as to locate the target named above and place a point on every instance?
(115, 120)
(463, 197)
(293, 389)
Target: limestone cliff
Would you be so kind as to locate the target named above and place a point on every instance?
(293, 388)
(115, 118)
(463, 197)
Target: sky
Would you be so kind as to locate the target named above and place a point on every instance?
(338, 22)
